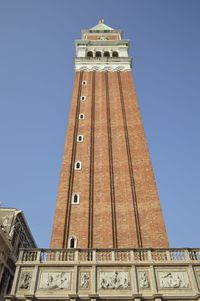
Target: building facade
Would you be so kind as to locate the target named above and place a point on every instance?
(108, 240)
(14, 234)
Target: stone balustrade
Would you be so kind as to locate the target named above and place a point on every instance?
(110, 255)
(91, 274)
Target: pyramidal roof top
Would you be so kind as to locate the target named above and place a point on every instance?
(101, 26)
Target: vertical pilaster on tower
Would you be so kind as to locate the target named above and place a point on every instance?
(111, 200)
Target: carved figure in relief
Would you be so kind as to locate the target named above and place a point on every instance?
(144, 280)
(114, 280)
(55, 280)
(25, 280)
(85, 280)
(5, 223)
(174, 280)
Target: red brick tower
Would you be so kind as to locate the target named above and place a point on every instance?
(107, 195)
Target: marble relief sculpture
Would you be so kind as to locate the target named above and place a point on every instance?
(173, 280)
(25, 280)
(144, 280)
(114, 280)
(85, 280)
(55, 280)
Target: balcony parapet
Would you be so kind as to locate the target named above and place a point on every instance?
(110, 255)
(107, 274)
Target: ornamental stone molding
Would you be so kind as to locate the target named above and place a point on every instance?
(139, 274)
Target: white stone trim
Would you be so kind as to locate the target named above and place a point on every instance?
(103, 65)
(75, 242)
(81, 114)
(75, 165)
(102, 68)
(82, 98)
(80, 141)
(78, 199)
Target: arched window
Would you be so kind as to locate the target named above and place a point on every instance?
(78, 165)
(89, 54)
(83, 98)
(106, 54)
(81, 116)
(80, 138)
(75, 199)
(72, 242)
(115, 54)
(98, 54)
(84, 82)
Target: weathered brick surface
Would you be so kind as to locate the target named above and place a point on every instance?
(151, 222)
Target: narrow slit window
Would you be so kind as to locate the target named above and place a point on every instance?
(72, 242)
(81, 116)
(83, 98)
(80, 138)
(75, 199)
(78, 165)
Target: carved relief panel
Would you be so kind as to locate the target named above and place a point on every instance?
(25, 280)
(114, 280)
(55, 280)
(173, 279)
(84, 280)
(143, 279)
(197, 273)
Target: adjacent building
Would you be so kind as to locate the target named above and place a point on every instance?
(14, 234)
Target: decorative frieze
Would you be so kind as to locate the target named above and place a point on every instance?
(55, 280)
(108, 273)
(173, 280)
(114, 280)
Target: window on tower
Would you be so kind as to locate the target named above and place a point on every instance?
(115, 54)
(72, 242)
(84, 82)
(80, 138)
(98, 54)
(78, 165)
(83, 98)
(75, 199)
(81, 116)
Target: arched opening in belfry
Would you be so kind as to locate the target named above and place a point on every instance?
(89, 54)
(106, 54)
(115, 54)
(98, 54)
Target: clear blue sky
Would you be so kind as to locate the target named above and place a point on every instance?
(36, 79)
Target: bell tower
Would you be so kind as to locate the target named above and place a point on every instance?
(107, 195)
(109, 240)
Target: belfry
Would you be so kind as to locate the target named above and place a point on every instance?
(109, 241)
(107, 196)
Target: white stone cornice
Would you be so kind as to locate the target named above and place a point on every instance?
(124, 64)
